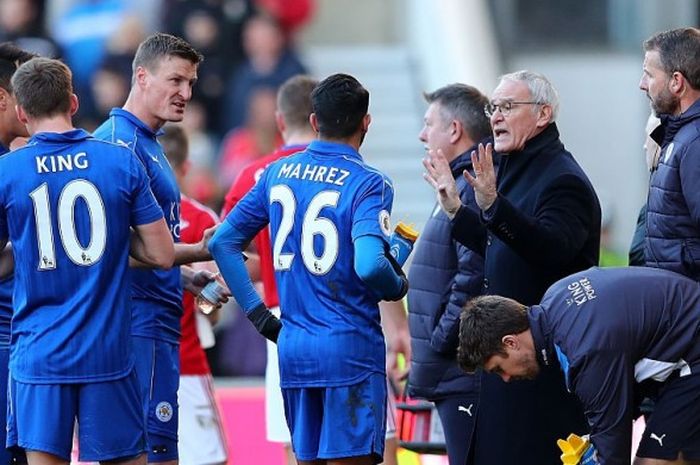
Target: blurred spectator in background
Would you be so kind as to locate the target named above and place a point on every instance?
(258, 137)
(21, 22)
(121, 45)
(214, 27)
(202, 28)
(269, 62)
(290, 14)
(109, 82)
(230, 16)
(109, 88)
(82, 30)
(201, 182)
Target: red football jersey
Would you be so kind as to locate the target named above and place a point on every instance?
(195, 218)
(243, 183)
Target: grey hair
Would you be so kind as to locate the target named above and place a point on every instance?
(541, 90)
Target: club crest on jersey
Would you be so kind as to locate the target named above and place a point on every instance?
(164, 412)
(669, 152)
(385, 222)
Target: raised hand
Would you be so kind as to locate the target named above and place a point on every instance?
(439, 175)
(484, 179)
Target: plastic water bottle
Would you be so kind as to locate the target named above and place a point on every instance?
(211, 296)
(401, 242)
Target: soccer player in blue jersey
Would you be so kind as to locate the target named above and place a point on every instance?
(69, 203)
(164, 71)
(11, 57)
(329, 217)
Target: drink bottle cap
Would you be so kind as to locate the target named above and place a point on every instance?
(407, 231)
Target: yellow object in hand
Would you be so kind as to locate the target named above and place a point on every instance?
(572, 448)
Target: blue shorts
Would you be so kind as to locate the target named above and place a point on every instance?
(111, 426)
(158, 370)
(338, 422)
(16, 454)
(674, 426)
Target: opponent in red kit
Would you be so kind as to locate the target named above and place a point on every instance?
(201, 436)
(293, 110)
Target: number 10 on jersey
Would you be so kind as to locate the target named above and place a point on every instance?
(71, 192)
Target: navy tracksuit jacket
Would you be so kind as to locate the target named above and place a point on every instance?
(610, 329)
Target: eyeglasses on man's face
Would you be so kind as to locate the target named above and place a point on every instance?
(504, 107)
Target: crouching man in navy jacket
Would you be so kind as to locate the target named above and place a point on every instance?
(611, 331)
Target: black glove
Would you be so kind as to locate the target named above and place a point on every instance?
(399, 271)
(265, 322)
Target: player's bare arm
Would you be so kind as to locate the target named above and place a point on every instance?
(152, 245)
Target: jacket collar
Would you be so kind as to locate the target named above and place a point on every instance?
(542, 336)
(670, 124)
(546, 142)
(464, 161)
(143, 127)
(541, 142)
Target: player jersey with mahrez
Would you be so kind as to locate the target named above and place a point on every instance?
(320, 200)
(69, 222)
(161, 287)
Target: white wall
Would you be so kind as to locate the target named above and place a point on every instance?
(452, 41)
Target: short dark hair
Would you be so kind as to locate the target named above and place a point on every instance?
(43, 87)
(294, 100)
(483, 323)
(175, 144)
(340, 103)
(679, 50)
(465, 104)
(160, 45)
(11, 57)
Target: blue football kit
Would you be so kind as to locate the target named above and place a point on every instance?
(614, 331)
(319, 204)
(156, 294)
(67, 202)
(151, 288)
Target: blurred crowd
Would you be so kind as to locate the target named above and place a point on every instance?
(248, 47)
